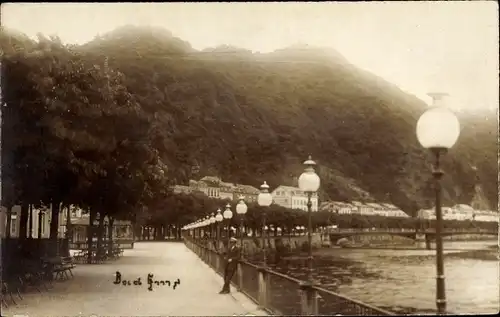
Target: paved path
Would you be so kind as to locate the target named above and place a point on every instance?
(92, 291)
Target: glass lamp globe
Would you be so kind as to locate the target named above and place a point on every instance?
(228, 214)
(241, 207)
(309, 181)
(264, 199)
(218, 217)
(438, 128)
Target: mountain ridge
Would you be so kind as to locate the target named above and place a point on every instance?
(248, 120)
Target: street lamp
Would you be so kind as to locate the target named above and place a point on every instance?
(264, 200)
(206, 223)
(309, 183)
(218, 219)
(438, 130)
(212, 228)
(241, 210)
(228, 214)
(212, 223)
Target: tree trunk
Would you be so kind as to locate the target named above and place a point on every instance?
(90, 234)
(54, 226)
(110, 236)
(30, 229)
(100, 234)
(69, 230)
(40, 216)
(9, 222)
(23, 224)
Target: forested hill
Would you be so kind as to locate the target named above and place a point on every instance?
(249, 117)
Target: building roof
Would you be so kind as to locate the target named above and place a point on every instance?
(214, 179)
(247, 189)
(286, 188)
(375, 205)
(389, 206)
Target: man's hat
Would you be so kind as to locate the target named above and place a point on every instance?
(233, 239)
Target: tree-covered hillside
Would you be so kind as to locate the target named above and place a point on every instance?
(253, 117)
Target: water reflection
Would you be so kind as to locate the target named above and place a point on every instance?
(404, 280)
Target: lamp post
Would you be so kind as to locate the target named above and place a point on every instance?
(212, 228)
(212, 223)
(309, 183)
(264, 200)
(207, 228)
(241, 210)
(228, 214)
(218, 219)
(438, 130)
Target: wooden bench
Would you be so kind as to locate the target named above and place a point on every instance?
(66, 265)
(61, 266)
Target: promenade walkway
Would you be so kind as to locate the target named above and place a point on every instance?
(92, 292)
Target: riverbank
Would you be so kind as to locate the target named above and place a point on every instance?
(403, 280)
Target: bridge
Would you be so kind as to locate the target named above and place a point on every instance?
(427, 234)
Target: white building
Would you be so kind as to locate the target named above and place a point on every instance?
(338, 207)
(379, 210)
(461, 212)
(394, 211)
(366, 209)
(427, 214)
(293, 198)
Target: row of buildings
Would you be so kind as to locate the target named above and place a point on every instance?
(367, 209)
(214, 187)
(40, 222)
(41, 219)
(294, 198)
(461, 212)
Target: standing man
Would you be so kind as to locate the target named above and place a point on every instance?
(232, 257)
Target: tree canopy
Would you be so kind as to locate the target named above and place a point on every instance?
(72, 133)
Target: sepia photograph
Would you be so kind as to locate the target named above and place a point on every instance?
(249, 159)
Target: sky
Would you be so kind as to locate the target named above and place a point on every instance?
(446, 46)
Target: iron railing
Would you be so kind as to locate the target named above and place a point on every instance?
(280, 294)
(397, 230)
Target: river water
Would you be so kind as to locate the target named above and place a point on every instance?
(404, 280)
